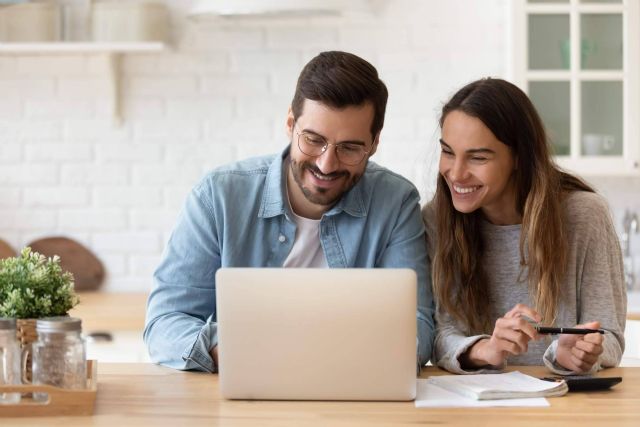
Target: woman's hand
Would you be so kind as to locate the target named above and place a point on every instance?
(578, 353)
(511, 335)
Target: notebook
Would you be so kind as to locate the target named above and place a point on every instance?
(512, 385)
(317, 334)
(431, 396)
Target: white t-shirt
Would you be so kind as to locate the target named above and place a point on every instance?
(307, 249)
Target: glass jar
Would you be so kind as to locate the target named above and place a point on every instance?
(9, 359)
(59, 355)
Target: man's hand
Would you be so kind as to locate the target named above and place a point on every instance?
(214, 355)
(511, 335)
(579, 353)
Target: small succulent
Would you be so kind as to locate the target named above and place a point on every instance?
(34, 286)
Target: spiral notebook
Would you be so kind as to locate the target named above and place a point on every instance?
(512, 385)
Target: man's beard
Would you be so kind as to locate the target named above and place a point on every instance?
(322, 196)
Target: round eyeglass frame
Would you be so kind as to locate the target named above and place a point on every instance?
(326, 146)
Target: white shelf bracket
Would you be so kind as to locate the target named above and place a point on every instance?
(115, 91)
(109, 53)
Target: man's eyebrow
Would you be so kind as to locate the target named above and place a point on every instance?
(309, 131)
(355, 141)
(471, 151)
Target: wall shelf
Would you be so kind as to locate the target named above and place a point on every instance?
(204, 9)
(112, 51)
(80, 47)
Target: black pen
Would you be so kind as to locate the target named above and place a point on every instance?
(575, 331)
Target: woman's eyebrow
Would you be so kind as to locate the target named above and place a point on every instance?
(470, 151)
(444, 143)
(480, 151)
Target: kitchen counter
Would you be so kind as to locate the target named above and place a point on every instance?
(101, 311)
(150, 395)
(122, 315)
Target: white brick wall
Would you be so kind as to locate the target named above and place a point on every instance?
(92, 219)
(221, 94)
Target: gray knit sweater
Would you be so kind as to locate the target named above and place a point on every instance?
(593, 287)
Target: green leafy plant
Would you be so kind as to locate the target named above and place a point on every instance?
(34, 286)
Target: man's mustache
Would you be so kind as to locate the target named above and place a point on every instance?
(335, 174)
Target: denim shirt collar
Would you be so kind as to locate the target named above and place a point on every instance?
(274, 200)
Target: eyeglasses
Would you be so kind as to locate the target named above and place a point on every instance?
(348, 153)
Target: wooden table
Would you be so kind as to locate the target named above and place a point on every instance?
(151, 395)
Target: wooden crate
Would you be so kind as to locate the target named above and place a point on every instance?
(61, 401)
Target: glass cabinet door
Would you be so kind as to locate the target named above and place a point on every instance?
(548, 42)
(552, 100)
(581, 68)
(601, 45)
(601, 118)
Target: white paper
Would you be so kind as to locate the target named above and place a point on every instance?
(431, 396)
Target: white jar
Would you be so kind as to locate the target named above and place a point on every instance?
(9, 359)
(119, 21)
(31, 22)
(75, 19)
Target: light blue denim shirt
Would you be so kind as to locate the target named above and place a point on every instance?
(238, 216)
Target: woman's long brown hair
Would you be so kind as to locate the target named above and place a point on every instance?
(459, 280)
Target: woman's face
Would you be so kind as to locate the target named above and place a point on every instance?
(478, 169)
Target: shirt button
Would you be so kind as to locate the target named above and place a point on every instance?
(282, 238)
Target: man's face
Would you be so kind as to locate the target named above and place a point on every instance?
(321, 181)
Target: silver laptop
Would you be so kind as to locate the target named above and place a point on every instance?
(317, 334)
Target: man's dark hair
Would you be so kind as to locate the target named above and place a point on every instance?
(338, 80)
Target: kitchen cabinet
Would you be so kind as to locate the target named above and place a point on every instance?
(112, 53)
(123, 347)
(579, 62)
(121, 317)
(631, 356)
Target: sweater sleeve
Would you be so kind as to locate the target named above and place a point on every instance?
(451, 343)
(601, 294)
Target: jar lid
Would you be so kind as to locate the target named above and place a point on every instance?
(7, 323)
(58, 324)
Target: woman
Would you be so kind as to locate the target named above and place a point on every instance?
(516, 242)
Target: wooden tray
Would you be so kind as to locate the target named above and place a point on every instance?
(61, 401)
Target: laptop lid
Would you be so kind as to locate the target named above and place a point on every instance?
(317, 334)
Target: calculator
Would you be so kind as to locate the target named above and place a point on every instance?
(586, 382)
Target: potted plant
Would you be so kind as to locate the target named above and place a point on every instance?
(33, 286)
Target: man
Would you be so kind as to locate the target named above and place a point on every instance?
(320, 203)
